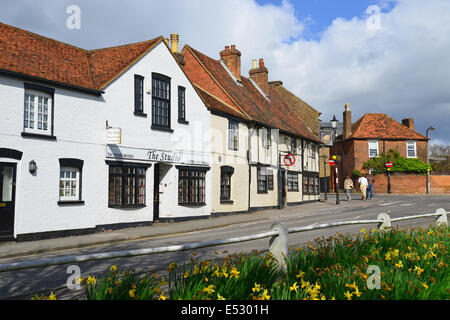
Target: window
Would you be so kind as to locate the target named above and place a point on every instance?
(126, 186)
(138, 94)
(261, 174)
(225, 183)
(305, 184)
(191, 186)
(411, 150)
(269, 179)
(70, 174)
(310, 184)
(69, 184)
(292, 181)
(181, 104)
(373, 148)
(293, 145)
(233, 135)
(37, 112)
(160, 101)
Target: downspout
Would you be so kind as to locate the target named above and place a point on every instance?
(249, 159)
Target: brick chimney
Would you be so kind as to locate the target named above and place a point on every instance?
(260, 75)
(232, 59)
(409, 122)
(347, 117)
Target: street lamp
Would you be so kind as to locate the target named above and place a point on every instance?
(334, 124)
(428, 160)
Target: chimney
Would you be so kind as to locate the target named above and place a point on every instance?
(409, 122)
(347, 117)
(174, 38)
(232, 59)
(260, 75)
(174, 42)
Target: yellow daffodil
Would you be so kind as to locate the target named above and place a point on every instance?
(234, 272)
(113, 269)
(110, 290)
(294, 287)
(418, 270)
(186, 274)
(91, 280)
(172, 266)
(131, 293)
(399, 264)
(196, 270)
(264, 295)
(162, 297)
(209, 289)
(300, 274)
(348, 295)
(256, 288)
(52, 296)
(425, 285)
(219, 297)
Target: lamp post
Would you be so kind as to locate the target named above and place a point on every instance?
(334, 124)
(428, 160)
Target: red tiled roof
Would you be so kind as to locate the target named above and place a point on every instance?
(274, 113)
(30, 54)
(381, 126)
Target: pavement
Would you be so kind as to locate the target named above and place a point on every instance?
(27, 248)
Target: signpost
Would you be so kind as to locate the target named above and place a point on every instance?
(389, 166)
(289, 160)
(331, 162)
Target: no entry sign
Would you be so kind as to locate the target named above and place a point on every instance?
(331, 162)
(388, 164)
(289, 160)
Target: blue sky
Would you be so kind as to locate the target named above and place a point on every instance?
(324, 51)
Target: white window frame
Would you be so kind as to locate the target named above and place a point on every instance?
(370, 143)
(72, 181)
(413, 143)
(233, 135)
(31, 112)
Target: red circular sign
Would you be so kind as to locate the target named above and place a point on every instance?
(388, 164)
(289, 160)
(331, 162)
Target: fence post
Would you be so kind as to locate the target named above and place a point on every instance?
(386, 224)
(279, 244)
(442, 219)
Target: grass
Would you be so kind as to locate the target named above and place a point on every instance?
(413, 264)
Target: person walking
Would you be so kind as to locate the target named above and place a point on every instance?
(348, 186)
(371, 182)
(363, 184)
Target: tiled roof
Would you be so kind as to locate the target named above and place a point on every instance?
(272, 112)
(381, 126)
(30, 54)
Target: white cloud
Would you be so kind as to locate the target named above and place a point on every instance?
(401, 69)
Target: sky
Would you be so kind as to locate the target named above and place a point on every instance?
(381, 56)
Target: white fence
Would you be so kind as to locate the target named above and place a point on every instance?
(278, 244)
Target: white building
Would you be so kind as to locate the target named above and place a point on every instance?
(60, 104)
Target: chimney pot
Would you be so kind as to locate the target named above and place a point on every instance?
(260, 75)
(174, 42)
(227, 48)
(408, 122)
(254, 64)
(261, 63)
(233, 47)
(232, 59)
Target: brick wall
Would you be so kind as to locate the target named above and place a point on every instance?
(402, 183)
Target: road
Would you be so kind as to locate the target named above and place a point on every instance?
(24, 283)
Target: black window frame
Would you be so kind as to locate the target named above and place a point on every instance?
(261, 180)
(123, 175)
(225, 189)
(311, 184)
(139, 95)
(193, 174)
(161, 96)
(292, 181)
(269, 179)
(182, 105)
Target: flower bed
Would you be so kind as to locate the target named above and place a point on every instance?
(412, 263)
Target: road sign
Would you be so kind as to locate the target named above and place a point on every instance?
(331, 162)
(289, 160)
(388, 164)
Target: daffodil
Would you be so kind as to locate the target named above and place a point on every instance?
(219, 297)
(162, 297)
(172, 266)
(264, 295)
(294, 287)
(425, 285)
(418, 270)
(300, 274)
(399, 264)
(131, 293)
(52, 296)
(110, 290)
(209, 289)
(234, 272)
(91, 280)
(113, 269)
(348, 295)
(256, 288)
(186, 274)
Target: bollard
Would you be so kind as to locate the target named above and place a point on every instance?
(442, 219)
(386, 224)
(279, 244)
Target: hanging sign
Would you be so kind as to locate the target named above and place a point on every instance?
(113, 135)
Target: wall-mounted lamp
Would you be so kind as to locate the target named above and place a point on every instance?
(32, 166)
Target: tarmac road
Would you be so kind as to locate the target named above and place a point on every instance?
(23, 284)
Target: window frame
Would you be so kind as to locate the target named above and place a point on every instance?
(292, 181)
(369, 146)
(182, 105)
(70, 180)
(123, 176)
(158, 98)
(193, 174)
(71, 165)
(414, 144)
(139, 95)
(261, 182)
(42, 92)
(233, 135)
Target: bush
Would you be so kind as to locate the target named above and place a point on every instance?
(400, 164)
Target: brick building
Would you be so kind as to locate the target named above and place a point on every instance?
(372, 135)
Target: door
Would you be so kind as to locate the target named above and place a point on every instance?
(7, 199)
(156, 193)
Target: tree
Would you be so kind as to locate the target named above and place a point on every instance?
(439, 156)
(400, 164)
